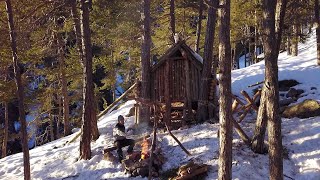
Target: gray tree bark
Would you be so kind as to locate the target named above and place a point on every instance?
(226, 128)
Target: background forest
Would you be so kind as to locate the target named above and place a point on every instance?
(50, 46)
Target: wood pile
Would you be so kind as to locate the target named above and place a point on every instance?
(136, 166)
(191, 170)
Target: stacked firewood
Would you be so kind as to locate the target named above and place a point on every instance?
(191, 170)
(136, 166)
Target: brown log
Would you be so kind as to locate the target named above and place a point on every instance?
(200, 170)
(137, 141)
(249, 100)
(182, 147)
(237, 99)
(241, 133)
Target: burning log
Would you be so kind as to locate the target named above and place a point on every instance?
(139, 163)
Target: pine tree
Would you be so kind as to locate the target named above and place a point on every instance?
(207, 71)
(145, 61)
(20, 91)
(226, 128)
(89, 112)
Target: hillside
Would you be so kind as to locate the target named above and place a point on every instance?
(59, 160)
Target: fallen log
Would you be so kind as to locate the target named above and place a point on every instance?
(112, 148)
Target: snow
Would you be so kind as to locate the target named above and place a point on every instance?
(59, 159)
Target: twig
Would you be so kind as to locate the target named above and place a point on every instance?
(288, 176)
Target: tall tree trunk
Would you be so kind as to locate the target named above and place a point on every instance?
(295, 40)
(199, 26)
(271, 88)
(20, 91)
(145, 62)
(226, 128)
(172, 20)
(64, 90)
(51, 127)
(288, 45)
(261, 124)
(317, 21)
(59, 114)
(207, 71)
(5, 133)
(77, 28)
(89, 118)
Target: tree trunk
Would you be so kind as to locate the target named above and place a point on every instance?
(77, 28)
(145, 63)
(51, 127)
(199, 26)
(271, 89)
(64, 90)
(5, 133)
(20, 91)
(294, 41)
(261, 124)
(207, 71)
(89, 127)
(172, 20)
(289, 45)
(226, 129)
(317, 21)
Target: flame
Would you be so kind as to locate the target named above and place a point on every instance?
(145, 149)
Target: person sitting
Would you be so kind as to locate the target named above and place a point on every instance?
(119, 134)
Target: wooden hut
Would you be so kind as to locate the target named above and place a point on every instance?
(175, 81)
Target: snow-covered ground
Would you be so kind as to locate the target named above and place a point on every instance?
(59, 160)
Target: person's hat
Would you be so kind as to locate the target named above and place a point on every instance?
(120, 117)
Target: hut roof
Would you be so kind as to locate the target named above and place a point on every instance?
(194, 57)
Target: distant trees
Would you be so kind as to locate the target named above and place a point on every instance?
(226, 128)
(20, 91)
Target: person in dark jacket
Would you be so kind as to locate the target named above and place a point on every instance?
(119, 134)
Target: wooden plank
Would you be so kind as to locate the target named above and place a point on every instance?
(188, 84)
(117, 100)
(167, 94)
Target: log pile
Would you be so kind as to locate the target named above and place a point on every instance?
(191, 170)
(135, 166)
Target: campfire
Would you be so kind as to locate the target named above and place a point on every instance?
(137, 163)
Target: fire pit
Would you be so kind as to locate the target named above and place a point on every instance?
(137, 163)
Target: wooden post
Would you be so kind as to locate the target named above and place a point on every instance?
(182, 147)
(188, 85)
(154, 140)
(167, 93)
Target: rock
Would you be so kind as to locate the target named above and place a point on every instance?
(285, 85)
(313, 88)
(307, 108)
(294, 92)
(285, 102)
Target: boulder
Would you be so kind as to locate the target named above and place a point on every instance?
(285, 102)
(285, 85)
(307, 108)
(294, 92)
